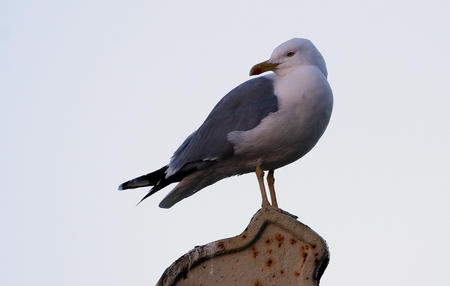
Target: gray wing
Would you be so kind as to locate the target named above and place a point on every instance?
(241, 109)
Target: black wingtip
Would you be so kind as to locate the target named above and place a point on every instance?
(164, 206)
(131, 184)
(141, 201)
(127, 185)
(151, 192)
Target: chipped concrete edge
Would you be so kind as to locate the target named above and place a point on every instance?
(258, 223)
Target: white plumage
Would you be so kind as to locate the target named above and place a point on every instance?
(263, 124)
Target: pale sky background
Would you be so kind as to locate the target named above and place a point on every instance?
(95, 92)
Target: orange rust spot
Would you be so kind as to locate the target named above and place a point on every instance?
(279, 237)
(273, 275)
(281, 271)
(254, 252)
(307, 278)
(221, 245)
(306, 247)
(244, 236)
(293, 241)
(268, 241)
(296, 273)
(269, 262)
(257, 283)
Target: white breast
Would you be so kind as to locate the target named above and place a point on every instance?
(304, 84)
(304, 107)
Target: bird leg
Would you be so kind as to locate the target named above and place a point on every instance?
(270, 182)
(260, 175)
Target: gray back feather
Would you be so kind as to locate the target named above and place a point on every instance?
(241, 109)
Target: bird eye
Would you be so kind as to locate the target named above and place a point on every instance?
(290, 54)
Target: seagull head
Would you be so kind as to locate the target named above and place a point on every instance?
(290, 55)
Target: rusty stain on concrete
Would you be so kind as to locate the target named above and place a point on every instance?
(275, 249)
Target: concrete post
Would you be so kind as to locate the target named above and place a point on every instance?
(275, 249)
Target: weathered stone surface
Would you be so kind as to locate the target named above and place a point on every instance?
(275, 249)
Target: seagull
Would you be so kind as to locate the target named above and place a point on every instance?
(261, 125)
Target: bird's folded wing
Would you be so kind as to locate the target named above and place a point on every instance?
(241, 109)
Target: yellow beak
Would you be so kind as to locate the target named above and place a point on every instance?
(263, 67)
